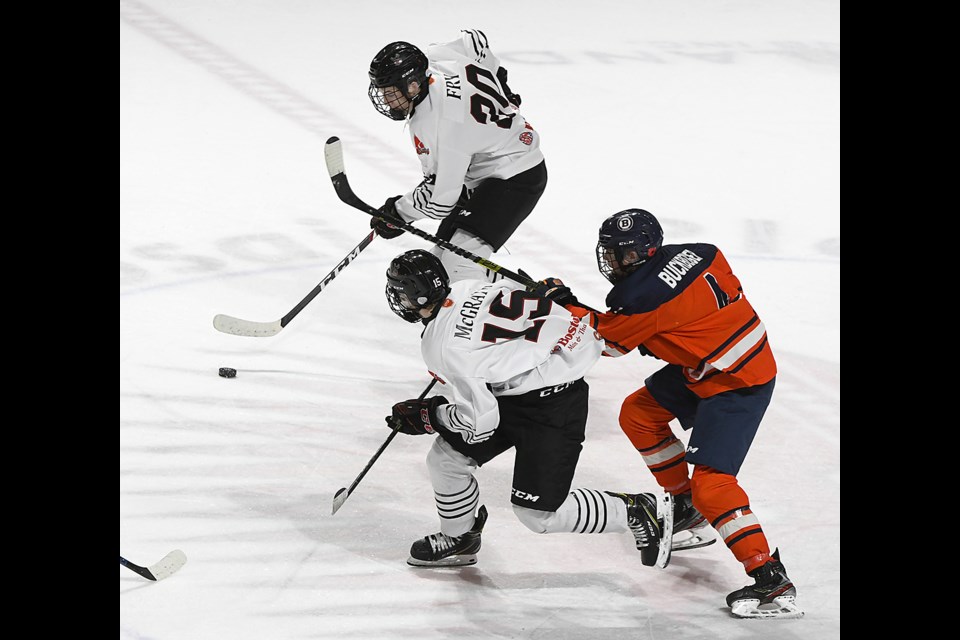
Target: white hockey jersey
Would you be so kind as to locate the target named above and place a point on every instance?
(465, 130)
(497, 339)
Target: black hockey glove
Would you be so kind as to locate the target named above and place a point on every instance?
(512, 97)
(416, 416)
(554, 289)
(384, 229)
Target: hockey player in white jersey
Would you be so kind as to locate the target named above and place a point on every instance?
(512, 363)
(483, 171)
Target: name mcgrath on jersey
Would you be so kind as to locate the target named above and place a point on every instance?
(537, 344)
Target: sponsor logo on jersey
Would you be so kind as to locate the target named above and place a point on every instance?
(678, 267)
(523, 495)
(421, 150)
(574, 334)
(526, 138)
(693, 449)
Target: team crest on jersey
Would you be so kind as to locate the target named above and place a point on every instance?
(419, 146)
(526, 138)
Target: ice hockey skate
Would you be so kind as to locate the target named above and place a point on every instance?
(692, 539)
(651, 522)
(440, 550)
(771, 596)
(690, 530)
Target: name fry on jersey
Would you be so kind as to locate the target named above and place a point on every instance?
(678, 267)
(452, 83)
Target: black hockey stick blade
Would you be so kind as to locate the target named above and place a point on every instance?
(333, 152)
(166, 567)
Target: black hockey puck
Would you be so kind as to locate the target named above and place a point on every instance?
(227, 372)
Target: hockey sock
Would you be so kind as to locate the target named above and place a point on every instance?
(720, 499)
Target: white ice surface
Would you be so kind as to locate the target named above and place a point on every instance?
(723, 118)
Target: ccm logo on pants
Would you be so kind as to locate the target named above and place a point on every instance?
(549, 391)
(523, 495)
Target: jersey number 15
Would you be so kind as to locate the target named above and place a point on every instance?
(513, 311)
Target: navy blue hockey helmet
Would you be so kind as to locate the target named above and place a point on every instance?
(415, 280)
(396, 66)
(627, 240)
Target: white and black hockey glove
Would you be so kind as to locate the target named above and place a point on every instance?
(386, 230)
(416, 417)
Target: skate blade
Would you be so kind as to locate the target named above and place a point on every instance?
(452, 561)
(665, 515)
(690, 539)
(784, 607)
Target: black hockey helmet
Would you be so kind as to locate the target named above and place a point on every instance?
(627, 240)
(415, 280)
(397, 65)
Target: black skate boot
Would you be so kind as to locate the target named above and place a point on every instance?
(651, 530)
(439, 550)
(771, 596)
(689, 526)
(685, 515)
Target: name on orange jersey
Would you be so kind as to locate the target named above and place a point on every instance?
(678, 267)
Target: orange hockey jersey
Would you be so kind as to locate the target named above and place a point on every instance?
(686, 307)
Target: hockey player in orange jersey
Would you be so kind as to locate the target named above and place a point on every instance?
(682, 304)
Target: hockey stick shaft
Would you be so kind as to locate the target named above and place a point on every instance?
(143, 571)
(240, 327)
(342, 495)
(334, 158)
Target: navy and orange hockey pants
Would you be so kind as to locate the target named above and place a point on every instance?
(716, 495)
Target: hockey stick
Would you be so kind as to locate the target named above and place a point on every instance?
(341, 496)
(165, 568)
(239, 327)
(333, 152)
